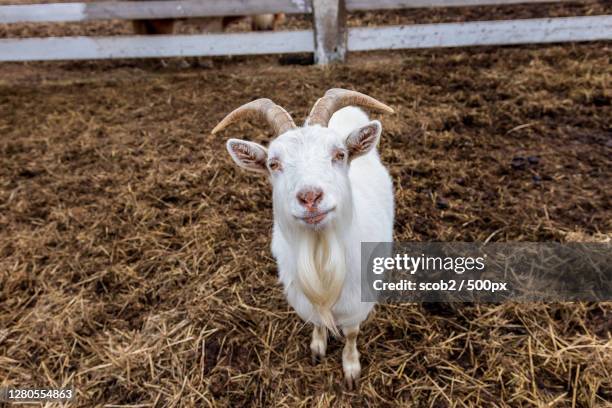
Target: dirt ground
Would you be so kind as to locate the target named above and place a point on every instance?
(135, 261)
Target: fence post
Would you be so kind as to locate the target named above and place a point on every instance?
(329, 30)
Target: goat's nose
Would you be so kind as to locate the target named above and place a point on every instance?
(310, 197)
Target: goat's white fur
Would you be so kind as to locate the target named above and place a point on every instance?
(367, 216)
(320, 266)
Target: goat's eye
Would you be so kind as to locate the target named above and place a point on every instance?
(339, 155)
(274, 165)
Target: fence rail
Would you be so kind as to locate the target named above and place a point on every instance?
(504, 32)
(158, 46)
(128, 10)
(359, 39)
(330, 39)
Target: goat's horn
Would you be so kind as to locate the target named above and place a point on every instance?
(262, 108)
(336, 99)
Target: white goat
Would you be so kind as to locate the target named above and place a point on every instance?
(330, 193)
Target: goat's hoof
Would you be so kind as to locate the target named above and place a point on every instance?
(352, 383)
(352, 373)
(317, 357)
(318, 348)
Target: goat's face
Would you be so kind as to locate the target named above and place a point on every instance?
(309, 171)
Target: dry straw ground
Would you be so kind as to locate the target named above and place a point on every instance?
(134, 260)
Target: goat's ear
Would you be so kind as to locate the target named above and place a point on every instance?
(248, 155)
(361, 141)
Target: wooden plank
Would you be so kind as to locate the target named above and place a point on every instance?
(357, 5)
(329, 21)
(42, 12)
(503, 32)
(78, 48)
(129, 10)
(544, 30)
(105, 10)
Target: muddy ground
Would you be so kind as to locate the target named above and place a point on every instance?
(135, 262)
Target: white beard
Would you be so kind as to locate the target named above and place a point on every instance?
(321, 270)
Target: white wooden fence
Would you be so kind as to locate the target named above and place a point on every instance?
(330, 39)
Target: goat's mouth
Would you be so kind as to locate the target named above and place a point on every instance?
(315, 218)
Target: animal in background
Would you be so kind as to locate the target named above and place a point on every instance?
(260, 22)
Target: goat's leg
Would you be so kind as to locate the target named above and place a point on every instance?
(350, 357)
(318, 345)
